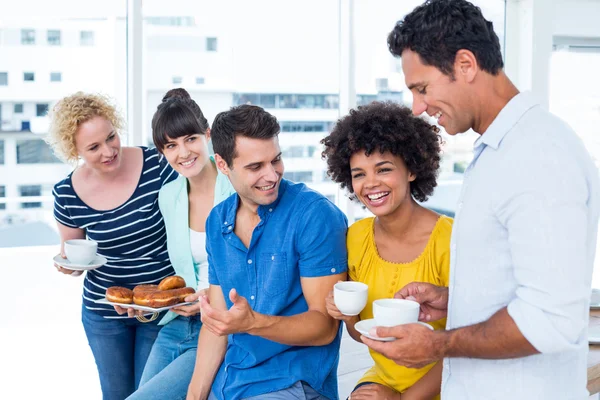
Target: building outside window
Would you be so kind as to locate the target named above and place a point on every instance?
(1, 152)
(31, 191)
(27, 36)
(298, 176)
(41, 109)
(35, 151)
(53, 37)
(55, 76)
(177, 80)
(199, 80)
(211, 44)
(3, 78)
(86, 38)
(28, 76)
(2, 195)
(18, 108)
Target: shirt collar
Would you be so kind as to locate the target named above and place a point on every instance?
(505, 120)
(229, 221)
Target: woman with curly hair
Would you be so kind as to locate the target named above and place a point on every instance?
(388, 160)
(111, 197)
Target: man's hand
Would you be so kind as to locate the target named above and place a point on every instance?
(239, 318)
(433, 299)
(374, 391)
(415, 347)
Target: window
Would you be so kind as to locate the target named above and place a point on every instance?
(53, 37)
(211, 44)
(1, 152)
(55, 76)
(25, 126)
(34, 151)
(2, 195)
(293, 152)
(3, 78)
(41, 109)
(199, 80)
(27, 36)
(31, 191)
(18, 108)
(177, 80)
(28, 76)
(86, 38)
(306, 126)
(298, 176)
(170, 21)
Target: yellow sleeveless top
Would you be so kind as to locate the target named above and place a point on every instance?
(386, 278)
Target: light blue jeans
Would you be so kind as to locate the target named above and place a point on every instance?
(170, 366)
(121, 348)
(298, 391)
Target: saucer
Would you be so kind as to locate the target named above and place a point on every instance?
(96, 262)
(365, 326)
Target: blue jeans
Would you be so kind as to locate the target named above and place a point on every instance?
(121, 348)
(298, 391)
(171, 363)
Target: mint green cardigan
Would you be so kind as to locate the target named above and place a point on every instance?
(174, 206)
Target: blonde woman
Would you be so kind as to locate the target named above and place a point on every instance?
(111, 197)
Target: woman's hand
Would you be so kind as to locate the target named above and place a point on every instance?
(192, 309)
(129, 311)
(65, 270)
(334, 312)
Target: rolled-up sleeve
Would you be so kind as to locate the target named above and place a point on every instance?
(546, 219)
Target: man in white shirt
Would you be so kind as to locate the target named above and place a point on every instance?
(524, 234)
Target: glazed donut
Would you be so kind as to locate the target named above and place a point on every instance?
(121, 295)
(162, 298)
(171, 282)
(139, 289)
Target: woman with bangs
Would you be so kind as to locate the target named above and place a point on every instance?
(181, 134)
(389, 160)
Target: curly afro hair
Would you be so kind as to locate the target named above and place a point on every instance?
(383, 127)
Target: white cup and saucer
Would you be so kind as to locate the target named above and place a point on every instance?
(81, 255)
(390, 312)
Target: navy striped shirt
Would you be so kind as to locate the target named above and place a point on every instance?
(132, 236)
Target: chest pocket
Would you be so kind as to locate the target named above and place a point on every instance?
(273, 274)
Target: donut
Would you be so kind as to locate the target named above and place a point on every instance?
(144, 289)
(171, 282)
(121, 295)
(162, 298)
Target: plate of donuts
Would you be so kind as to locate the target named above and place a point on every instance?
(169, 293)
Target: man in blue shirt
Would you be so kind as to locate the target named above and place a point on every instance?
(275, 250)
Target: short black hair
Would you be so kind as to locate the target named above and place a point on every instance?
(437, 29)
(178, 115)
(383, 127)
(244, 120)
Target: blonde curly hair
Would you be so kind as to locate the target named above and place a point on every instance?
(72, 111)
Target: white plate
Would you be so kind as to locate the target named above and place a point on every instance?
(97, 262)
(142, 308)
(365, 326)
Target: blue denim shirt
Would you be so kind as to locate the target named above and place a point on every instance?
(301, 234)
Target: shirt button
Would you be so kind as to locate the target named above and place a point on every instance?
(249, 261)
(270, 210)
(252, 297)
(230, 227)
(272, 258)
(225, 223)
(332, 269)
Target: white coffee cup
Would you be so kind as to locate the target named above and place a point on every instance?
(80, 251)
(392, 312)
(350, 297)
